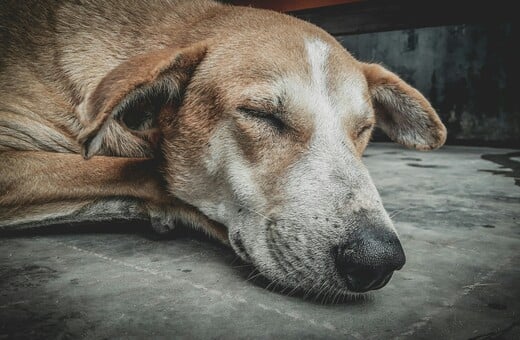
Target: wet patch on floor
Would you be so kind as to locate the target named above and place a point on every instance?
(411, 159)
(506, 161)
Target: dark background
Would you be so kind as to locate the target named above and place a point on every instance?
(468, 72)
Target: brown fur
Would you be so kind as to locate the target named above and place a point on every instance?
(163, 70)
(399, 116)
(33, 182)
(69, 71)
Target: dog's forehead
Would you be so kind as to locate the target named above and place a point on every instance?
(293, 66)
(309, 73)
(320, 81)
(335, 82)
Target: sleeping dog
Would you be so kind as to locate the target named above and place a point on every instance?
(245, 123)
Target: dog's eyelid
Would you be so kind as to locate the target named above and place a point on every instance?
(265, 104)
(364, 128)
(262, 113)
(254, 111)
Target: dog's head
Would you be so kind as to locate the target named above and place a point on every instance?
(262, 128)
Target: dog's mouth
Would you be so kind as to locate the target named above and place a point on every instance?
(308, 274)
(297, 265)
(238, 246)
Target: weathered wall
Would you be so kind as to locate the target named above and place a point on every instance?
(470, 73)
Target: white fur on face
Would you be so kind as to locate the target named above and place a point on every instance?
(225, 157)
(326, 193)
(334, 97)
(329, 191)
(331, 152)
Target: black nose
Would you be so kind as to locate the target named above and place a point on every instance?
(368, 259)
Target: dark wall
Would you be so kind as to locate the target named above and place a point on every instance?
(470, 73)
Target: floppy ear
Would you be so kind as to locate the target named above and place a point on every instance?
(402, 112)
(142, 86)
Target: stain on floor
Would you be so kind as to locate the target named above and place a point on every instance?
(507, 162)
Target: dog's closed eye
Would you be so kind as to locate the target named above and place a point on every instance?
(364, 129)
(264, 116)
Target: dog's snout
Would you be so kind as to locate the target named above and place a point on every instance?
(368, 260)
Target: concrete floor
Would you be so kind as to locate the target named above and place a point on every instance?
(457, 211)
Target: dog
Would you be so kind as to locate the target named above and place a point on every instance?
(245, 123)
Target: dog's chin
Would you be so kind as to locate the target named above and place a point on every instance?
(280, 273)
(309, 285)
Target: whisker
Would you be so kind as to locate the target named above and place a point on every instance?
(338, 297)
(243, 265)
(327, 292)
(249, 209)
(319, 292)
(298, 286)
(237, 258)
(252, 275)
(311, 290)
(271, 284)
(331, 296)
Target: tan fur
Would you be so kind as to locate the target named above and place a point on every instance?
(401, 108)
(167, 69)
(68, 70)
(36, 183)
(40, 177)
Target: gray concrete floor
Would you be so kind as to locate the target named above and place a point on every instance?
(457, 211)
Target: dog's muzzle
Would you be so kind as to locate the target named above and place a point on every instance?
(368, 260)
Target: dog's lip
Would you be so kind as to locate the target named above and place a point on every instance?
(238, 245)
(337, 286)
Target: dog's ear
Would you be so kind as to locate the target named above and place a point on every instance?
(402, 112)
(134, 93)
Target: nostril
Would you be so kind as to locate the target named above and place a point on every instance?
(383, 282)
(365, 279)
(361, 278)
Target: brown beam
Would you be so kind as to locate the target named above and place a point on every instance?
(289, 5)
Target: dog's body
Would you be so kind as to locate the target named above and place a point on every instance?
(219, 116)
